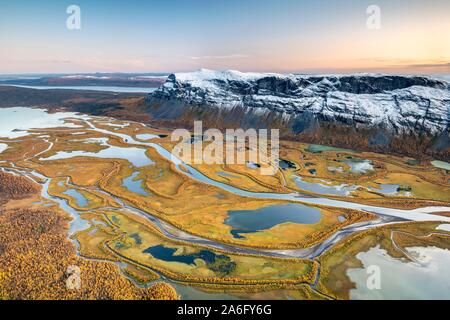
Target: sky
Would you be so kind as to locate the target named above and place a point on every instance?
(287, 36)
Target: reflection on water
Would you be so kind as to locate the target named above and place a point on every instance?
(136, 156)
(340, 190)
(316, 148)
(249, 221)
(76, 224)
(359, 166)
(80, 200)
(15, 122)
(445, 227)
(134, 185)
(426, 278)
(386, 188)
(3, 147)
(441, 165)
(216, 262)
(286, 164)
(147, 136)
(336, 169)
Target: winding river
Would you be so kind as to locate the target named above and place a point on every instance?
(420, 214)
(386, 215)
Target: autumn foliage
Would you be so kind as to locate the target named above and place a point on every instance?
(12, 186)
(35, 255)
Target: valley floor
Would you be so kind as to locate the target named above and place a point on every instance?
(210, 231)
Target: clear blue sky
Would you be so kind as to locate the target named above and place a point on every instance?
(258, 35)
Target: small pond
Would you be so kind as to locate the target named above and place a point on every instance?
(216, 262)
(316, 148)
(340, 190)
(441, 165)
(147, 136)
(249, 221)
(286, 164)
(386, 188)
(359, 166)
(134, 185)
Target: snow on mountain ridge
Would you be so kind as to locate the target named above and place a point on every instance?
(400, 103)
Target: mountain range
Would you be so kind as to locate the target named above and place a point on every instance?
(362, 110)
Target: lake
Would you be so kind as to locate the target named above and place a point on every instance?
(249, 221)
(427, 278)
(15, 122)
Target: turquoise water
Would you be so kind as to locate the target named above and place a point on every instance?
(79, 198)
(249, 221)
(134, 185)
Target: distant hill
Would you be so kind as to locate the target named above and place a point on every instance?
(145, 80)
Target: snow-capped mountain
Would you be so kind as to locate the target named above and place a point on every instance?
(410, 104)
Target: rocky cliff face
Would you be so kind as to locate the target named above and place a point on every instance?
(392, 105)
(398, 103)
